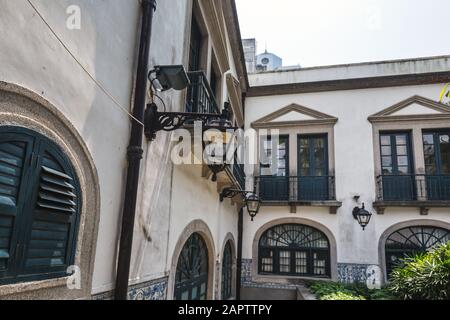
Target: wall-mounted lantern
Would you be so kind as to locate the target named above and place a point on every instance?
(252, 201)
(362, 216)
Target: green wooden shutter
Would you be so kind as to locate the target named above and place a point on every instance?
(14, 152)
(50, 246)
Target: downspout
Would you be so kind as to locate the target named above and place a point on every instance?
(239, 255)
(134, 153)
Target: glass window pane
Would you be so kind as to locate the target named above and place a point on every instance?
(444, 139)
(385, 140)
(386, 151)
(403, 170)
(428, 139)
(301, 262)
(304, 143)
(402, 151)
(387, 170)
(428, 149)
(285, 261)
(386, 161)
(430, 169)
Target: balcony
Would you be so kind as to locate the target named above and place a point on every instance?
(200, 97)
(298, 191)
(414, 190)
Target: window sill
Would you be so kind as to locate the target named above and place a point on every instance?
(24, 287)
(333, 205)
(281, 279)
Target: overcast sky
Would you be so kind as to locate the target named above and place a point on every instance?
(323, 32)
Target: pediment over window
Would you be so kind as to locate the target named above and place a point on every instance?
(414, 108)
(294, 115)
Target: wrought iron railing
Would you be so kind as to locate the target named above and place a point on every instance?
(413, 187)
(200, 98)
(295, 189)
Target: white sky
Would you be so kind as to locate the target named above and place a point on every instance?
(323, 32)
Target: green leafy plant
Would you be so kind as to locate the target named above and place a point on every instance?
(424, 277)
(341, 296)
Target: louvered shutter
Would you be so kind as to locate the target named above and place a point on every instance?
(14, 151)
(50, 247)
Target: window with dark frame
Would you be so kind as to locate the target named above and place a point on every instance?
(39, 207)
(294, 250)
(191, 279)
(410, 241)
(398, 179)
(436, 148)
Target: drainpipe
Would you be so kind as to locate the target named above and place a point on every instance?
(239, 255)
(134, 153)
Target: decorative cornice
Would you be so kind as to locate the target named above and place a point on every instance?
(350, 84)
(235, 93)
(387, 115)
(319, 118)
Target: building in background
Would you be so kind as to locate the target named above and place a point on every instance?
(268, 62)
(249, 46)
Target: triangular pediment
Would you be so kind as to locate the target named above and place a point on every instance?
(413, 108)
(293, 115)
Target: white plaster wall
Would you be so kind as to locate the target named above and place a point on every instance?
(31, 56)
(354, 163)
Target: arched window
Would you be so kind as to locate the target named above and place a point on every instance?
(191, 279)
(410, 241)
(294, 249)
(39, 207)
(227, 272)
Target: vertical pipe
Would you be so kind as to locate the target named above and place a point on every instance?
(134, 153)
(239, 255)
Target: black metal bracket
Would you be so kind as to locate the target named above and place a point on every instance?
(231, 193)
(155, 121)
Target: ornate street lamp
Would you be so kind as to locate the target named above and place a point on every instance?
(252, 201)
(362, 216)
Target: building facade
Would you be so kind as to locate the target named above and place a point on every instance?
(369, 133)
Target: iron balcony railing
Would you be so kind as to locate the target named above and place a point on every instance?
(200, 97)
(413, 187)
(295, 189)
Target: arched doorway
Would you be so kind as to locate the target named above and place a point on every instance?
(191, 279)
(294, 250)
(227, 272)
(410, 241)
